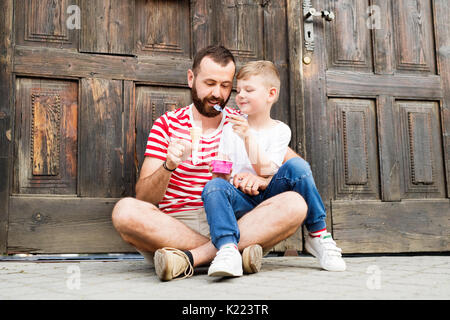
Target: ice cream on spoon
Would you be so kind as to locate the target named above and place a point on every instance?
(220, 109)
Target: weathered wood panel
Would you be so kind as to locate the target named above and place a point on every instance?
(163, 28)
(406, 226)
(383, 43)
(240, 28)
(414, 36)
(369, 85)
(442, 26)
(107, 26)
(354, 136)
(389, 141)
(348, 38)
(46, 136)
(102, 156)
(44, 23)
(6, 110)
(130, 166)
(202, 21)
(423, 168)
(63, 225)
(65, 63)
(297, 114)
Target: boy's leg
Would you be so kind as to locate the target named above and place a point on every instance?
(296, 175)
(222, 203)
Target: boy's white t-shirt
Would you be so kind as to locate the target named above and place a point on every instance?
(273, 142)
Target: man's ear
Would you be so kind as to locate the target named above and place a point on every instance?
(190, 78)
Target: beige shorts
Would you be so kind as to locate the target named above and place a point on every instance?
(194, 219)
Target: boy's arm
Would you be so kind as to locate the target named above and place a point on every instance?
(260, 161)
(290, 154)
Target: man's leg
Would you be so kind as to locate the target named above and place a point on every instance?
(145, 227)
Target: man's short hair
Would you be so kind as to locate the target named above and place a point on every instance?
(263, 68)
(219, 54)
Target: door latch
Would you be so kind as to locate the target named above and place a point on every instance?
(308, 27)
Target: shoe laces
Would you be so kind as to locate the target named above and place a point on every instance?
(330, 245)
(189, 270)
(225, 253)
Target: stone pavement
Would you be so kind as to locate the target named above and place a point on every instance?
(367, 277)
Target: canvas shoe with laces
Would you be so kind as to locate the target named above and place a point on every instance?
(171, 263)
(325, 250)
(227, 263)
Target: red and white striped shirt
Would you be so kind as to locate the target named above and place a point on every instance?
(188, 180)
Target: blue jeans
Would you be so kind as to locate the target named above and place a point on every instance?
(225, 204)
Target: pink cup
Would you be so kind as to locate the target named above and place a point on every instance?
(221, 166)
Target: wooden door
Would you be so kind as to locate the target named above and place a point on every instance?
(82, 82)
(377, 118)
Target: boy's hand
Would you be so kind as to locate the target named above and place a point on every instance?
(249, 183)
(240, 125)
(178, 151)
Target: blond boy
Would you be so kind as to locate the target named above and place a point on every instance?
(257, 146)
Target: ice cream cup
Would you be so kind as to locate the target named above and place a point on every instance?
(221, 166)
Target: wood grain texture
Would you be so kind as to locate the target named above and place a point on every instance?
(442, 26)
(406, 226)
(6, 111)
(44, 23)
(107, 26)
(389, 142)
(163, 28)
(101, 161)
(370, 85)
(46, 136)
(63, 225)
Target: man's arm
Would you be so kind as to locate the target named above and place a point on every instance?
(154, 178)
(153, 181)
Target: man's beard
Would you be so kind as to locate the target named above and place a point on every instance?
(202, 104)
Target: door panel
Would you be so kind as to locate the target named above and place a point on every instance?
(101, 146)
(46, 137)
(384, 99)
(86, 99)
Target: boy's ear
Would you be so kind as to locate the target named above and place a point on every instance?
(273, 93)
(190, 78)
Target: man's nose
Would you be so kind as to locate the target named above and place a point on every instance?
(216, 92)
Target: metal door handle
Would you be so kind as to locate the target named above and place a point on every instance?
(308, 26)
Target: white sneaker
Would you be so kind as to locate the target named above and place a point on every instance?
(325, 250)
(227, 263)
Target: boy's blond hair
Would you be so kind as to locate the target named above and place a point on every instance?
(263, 68)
